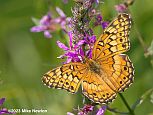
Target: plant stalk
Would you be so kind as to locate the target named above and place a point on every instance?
(131, 112)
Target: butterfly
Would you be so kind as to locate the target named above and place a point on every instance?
(107, 73)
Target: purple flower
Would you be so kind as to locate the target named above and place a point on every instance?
(72, 52)
(65, 1)
(4, 110)
(101, 110)
(121, 8)
(62, 20)
(104, 24)
(97, 1)
(86, 109)
(89, 41)
(2, 101)
(47, 24)
(75, 52)
(69, 113)
(99, 21)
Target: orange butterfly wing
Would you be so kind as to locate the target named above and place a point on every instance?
(114, 39)
(68, 77)
(117, 69)
(117, 75)
(97, 89)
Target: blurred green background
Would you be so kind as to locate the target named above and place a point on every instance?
(26, 56)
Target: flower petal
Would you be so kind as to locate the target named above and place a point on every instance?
(45, 20)
(80, 42)
(69, 59)
(101, 110)
(89, 53)
(68, 113)
(62, 46)
(92, 39)
(5, 111)
(121, 8)
(104, 24)
(70, 38)
(47, 34)
(65, 1)
(38, 29)
(81, 52)
(60, 12)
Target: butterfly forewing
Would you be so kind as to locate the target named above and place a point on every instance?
(68, 77)
(114, 39)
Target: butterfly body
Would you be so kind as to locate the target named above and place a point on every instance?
(94, 67)
(106, 73)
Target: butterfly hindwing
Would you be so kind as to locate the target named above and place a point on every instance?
(96, 89)
(119, 70)
(66, 77)
(116, 75)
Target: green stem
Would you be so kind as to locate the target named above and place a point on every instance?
(141, 40)
(126, 104)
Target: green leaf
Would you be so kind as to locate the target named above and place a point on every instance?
(35, 21)
(151, 98)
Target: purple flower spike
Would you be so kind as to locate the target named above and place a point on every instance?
(101, 110)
